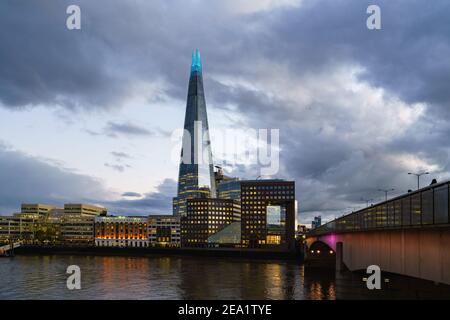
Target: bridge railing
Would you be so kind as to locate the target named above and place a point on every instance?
(425, 207)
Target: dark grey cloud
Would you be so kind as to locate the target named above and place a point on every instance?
(44, 63)
(117, 167)
(131, 194)
(114, 129)
(121, 129)
(157, 202)
(119, 156)
(99, 65)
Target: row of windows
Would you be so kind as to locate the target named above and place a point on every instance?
(271, 187)
(254, 227)
(112, 230)
(111, 224)
(424, 208)
(123, 238)
(279, 192)
(204, 218)
(248, 222)
(193, 232)
(211, 206)
(253, 198)
(196, 213)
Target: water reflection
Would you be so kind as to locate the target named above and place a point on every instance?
(176, 277)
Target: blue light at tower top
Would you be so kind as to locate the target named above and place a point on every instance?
(196, 65)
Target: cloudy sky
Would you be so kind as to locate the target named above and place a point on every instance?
(87, 115)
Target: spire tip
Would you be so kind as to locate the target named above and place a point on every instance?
(196, 65)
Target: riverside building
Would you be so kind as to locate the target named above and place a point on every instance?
(77, 223)
(268, 214)
(164, 231)
(121, 232)
(206, 217)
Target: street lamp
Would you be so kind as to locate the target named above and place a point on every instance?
(418, 177)
(386, 192)
(367, 201)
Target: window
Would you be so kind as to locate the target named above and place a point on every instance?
(416, 212)
(406, 211)
(370, 218)
(359, 221)
(427, 207)
(398, 213)
(390, 214)
(381, 216)
(441, 204)
(351, 222)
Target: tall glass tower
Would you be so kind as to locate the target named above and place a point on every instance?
(196, 175)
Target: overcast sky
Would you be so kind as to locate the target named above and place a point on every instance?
(87, 115)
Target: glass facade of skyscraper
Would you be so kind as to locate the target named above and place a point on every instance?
(196, 174)
(230, 190)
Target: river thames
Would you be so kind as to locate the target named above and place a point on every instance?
(184, 277)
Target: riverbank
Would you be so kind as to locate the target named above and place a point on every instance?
(131, 251)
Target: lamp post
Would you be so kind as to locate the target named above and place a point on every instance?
(367, 201)
(386, 191)
(418, 175)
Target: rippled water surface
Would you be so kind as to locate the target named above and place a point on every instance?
(182, 277)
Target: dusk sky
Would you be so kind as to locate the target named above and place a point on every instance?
(87, 115)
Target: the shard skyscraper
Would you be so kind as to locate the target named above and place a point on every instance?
(196, 175)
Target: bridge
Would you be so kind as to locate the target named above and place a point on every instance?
(407, 235)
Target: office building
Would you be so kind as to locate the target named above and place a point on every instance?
(205, 217)
(77, 223)
(84, 209)
(164, 231)
(196, 173)
(121, 232)
(77, 230)
(36, 208)
(20, 226)
(268, 214)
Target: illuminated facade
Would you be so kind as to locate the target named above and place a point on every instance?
(164, 231)
(121, 232)
(19, 226)
(196, 175)
(268, 214)
(77, 230)
(36, 224)
(205, 217)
